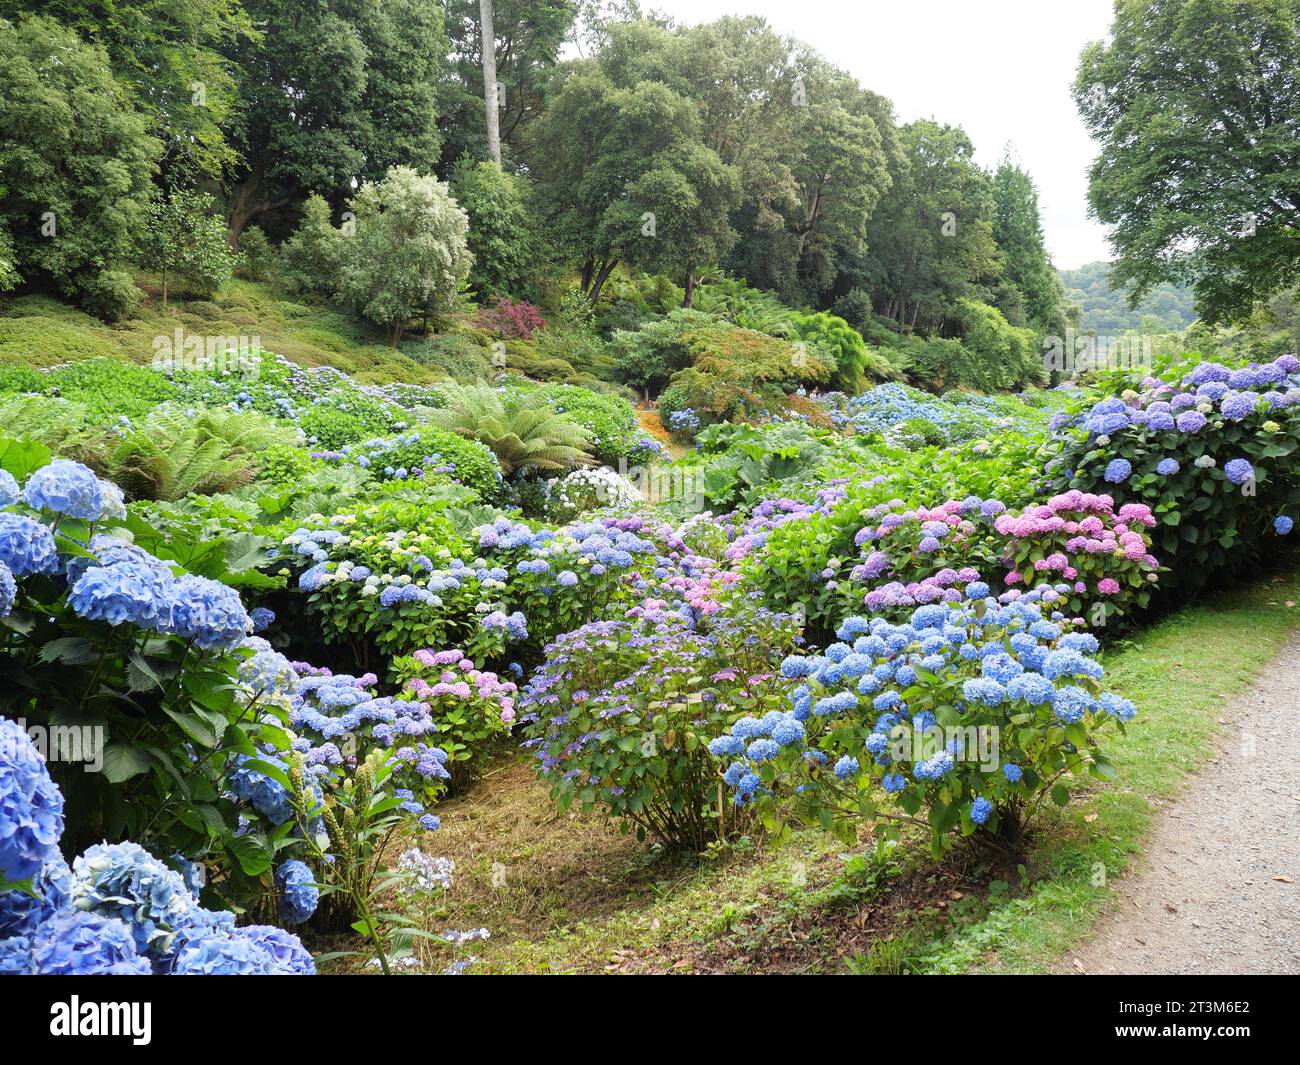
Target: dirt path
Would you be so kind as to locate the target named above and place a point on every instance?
(1219, 891)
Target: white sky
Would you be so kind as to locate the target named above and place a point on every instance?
(1000, 69)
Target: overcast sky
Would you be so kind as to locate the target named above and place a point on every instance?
(1000, 69)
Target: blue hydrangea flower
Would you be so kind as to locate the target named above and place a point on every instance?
(65, 487)
(1238, 471)
(1031, 688)
(125, 881)
(73, 943)
(726, 746)
(1012, 772)
(125, 591)
(31, 807)
(22, 911)
(285, 949)
(26, 546)
(262, 618)
(225, 956)
(984, 690)
(1118, 471)
(1071, 703)
(980, 810)
(1167, 467)
(846, 767)
(1237, 405)
(299, 895)
(9, 492)
(207, 612)
(267, 796)
(8, 590)
(1282, 525)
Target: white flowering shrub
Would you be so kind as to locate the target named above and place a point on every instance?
(583, 491)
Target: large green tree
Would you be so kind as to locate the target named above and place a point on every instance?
(75, 167)
(530, 35)
(931, 240)
(333, 94)
(623, 175)
(1018, 230)
(806, 141)
(173, 57)
(1196, 105)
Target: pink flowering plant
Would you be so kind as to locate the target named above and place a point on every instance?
(470, 708)
(1078, 538)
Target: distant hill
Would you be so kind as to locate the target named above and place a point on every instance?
(1105, 309)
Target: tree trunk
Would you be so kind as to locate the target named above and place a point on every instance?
(164, 280)
(689, 298)
(246, 206)
(601, 277)
(490, 80)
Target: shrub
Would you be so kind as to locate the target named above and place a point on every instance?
(968, 714)
(258, 258)
(1211, 451)
(470, 708)
(610, 419)
(463, 357)
(620, 714)
(584, 491)
(425, 452)
(833, 337)
(510, 320)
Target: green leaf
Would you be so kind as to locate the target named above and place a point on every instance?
(122, 761)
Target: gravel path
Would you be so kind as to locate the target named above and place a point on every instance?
(1220, 886)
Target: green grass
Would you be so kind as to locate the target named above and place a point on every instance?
(577, 896)
(39, 331)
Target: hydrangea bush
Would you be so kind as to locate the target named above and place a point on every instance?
(963, 718)
(620, 713)
(469, 707)
(117, 910)
(122, 653)
(1210, 449)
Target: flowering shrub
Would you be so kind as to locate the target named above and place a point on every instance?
(970, 712)
(137, 662)
(582, 491)
(469, 707)
(1211, 451)
(620, 712)
(422, 453)
(1105, 557)
(374, 579)
(117, 910)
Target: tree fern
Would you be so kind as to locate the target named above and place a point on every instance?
(524, 432)
(174, 453)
